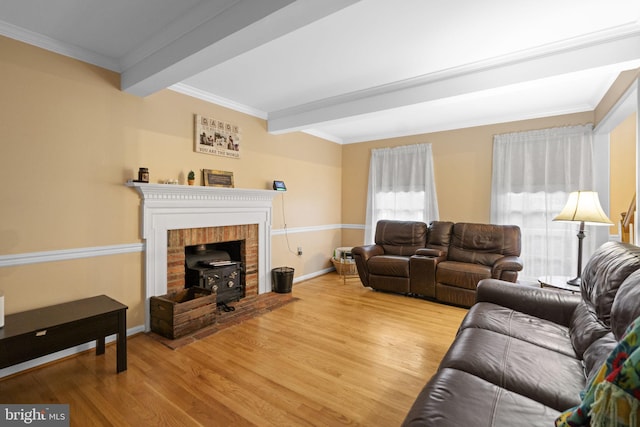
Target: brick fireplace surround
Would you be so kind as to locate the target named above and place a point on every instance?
(178, 239)
(175, 216)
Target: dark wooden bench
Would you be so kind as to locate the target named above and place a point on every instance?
(35, 333)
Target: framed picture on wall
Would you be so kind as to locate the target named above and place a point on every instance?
(216, 137)
(214, 178)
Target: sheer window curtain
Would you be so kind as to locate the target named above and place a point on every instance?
(533, 174)
(401, 186)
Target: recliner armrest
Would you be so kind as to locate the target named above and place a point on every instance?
(361, 255)
(423, 273)
(430, 252)
(508, 263)
(367, 251)
(546, 304)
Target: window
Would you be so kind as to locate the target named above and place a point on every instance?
(533, 174)
(401, 186)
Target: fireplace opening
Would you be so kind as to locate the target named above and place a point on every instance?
(217, 267)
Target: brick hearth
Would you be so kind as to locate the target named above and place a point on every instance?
(247, 308)
(252, 305)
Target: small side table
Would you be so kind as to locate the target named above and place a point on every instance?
(344, 263)
(558, 282)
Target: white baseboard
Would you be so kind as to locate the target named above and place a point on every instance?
(312, 275)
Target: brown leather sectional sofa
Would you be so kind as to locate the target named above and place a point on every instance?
(442, 261)
(523, 354)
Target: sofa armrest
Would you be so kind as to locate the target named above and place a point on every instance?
(504, 264)
(430, 252)
(361, 255)
(552, 305)
(367, 251)
(423, 273)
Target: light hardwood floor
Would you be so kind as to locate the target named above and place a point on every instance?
(341, 354)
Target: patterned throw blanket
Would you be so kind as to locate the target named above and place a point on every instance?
(612, 398)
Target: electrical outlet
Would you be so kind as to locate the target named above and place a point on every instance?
(299, 250)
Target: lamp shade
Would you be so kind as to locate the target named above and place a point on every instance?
(583, 206)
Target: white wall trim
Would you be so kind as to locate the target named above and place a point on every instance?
(628, 104)
(324, 135)
(95, 251)
(312, 275)
(318, 228)
(52, 45)
(218, 100)
(68, 254)
(353, 226)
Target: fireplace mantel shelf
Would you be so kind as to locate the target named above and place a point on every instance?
(192, 192)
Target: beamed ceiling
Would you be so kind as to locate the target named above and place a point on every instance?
(348, 70)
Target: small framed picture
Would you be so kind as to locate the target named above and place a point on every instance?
(214, 178)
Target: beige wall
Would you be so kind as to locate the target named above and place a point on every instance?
(623, 169)
(462, 163)
(70, 139)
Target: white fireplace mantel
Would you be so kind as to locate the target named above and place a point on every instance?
(171, 207)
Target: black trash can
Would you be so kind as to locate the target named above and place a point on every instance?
(282, 279)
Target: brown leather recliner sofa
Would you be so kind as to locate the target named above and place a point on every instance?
(443, 261)
(523, 354)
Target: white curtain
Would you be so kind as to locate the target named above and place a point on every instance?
(533, 174)
(401, 186)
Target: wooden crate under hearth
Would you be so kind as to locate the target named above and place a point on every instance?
(177, 314)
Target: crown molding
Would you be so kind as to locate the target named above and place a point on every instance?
(236, 106)
(218, 100)
(66, 49)
(324, 135)
(464, 124)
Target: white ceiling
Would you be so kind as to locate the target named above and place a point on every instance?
(349, 70)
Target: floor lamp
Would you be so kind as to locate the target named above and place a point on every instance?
(583, 207)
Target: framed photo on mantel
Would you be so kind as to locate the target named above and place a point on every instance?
(214, 178)
(216, 137)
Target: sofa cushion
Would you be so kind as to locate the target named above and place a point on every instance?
(541, 332)
(625, 307)
(557, 307)
(389, 265)
(461, 274)
(585, 328)
(552, 378)
(597, 353)
(390, 283)
(454, 398)
(401, 237)
(611, 398)
(607, 268)
(439, 236)
(483, 243)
